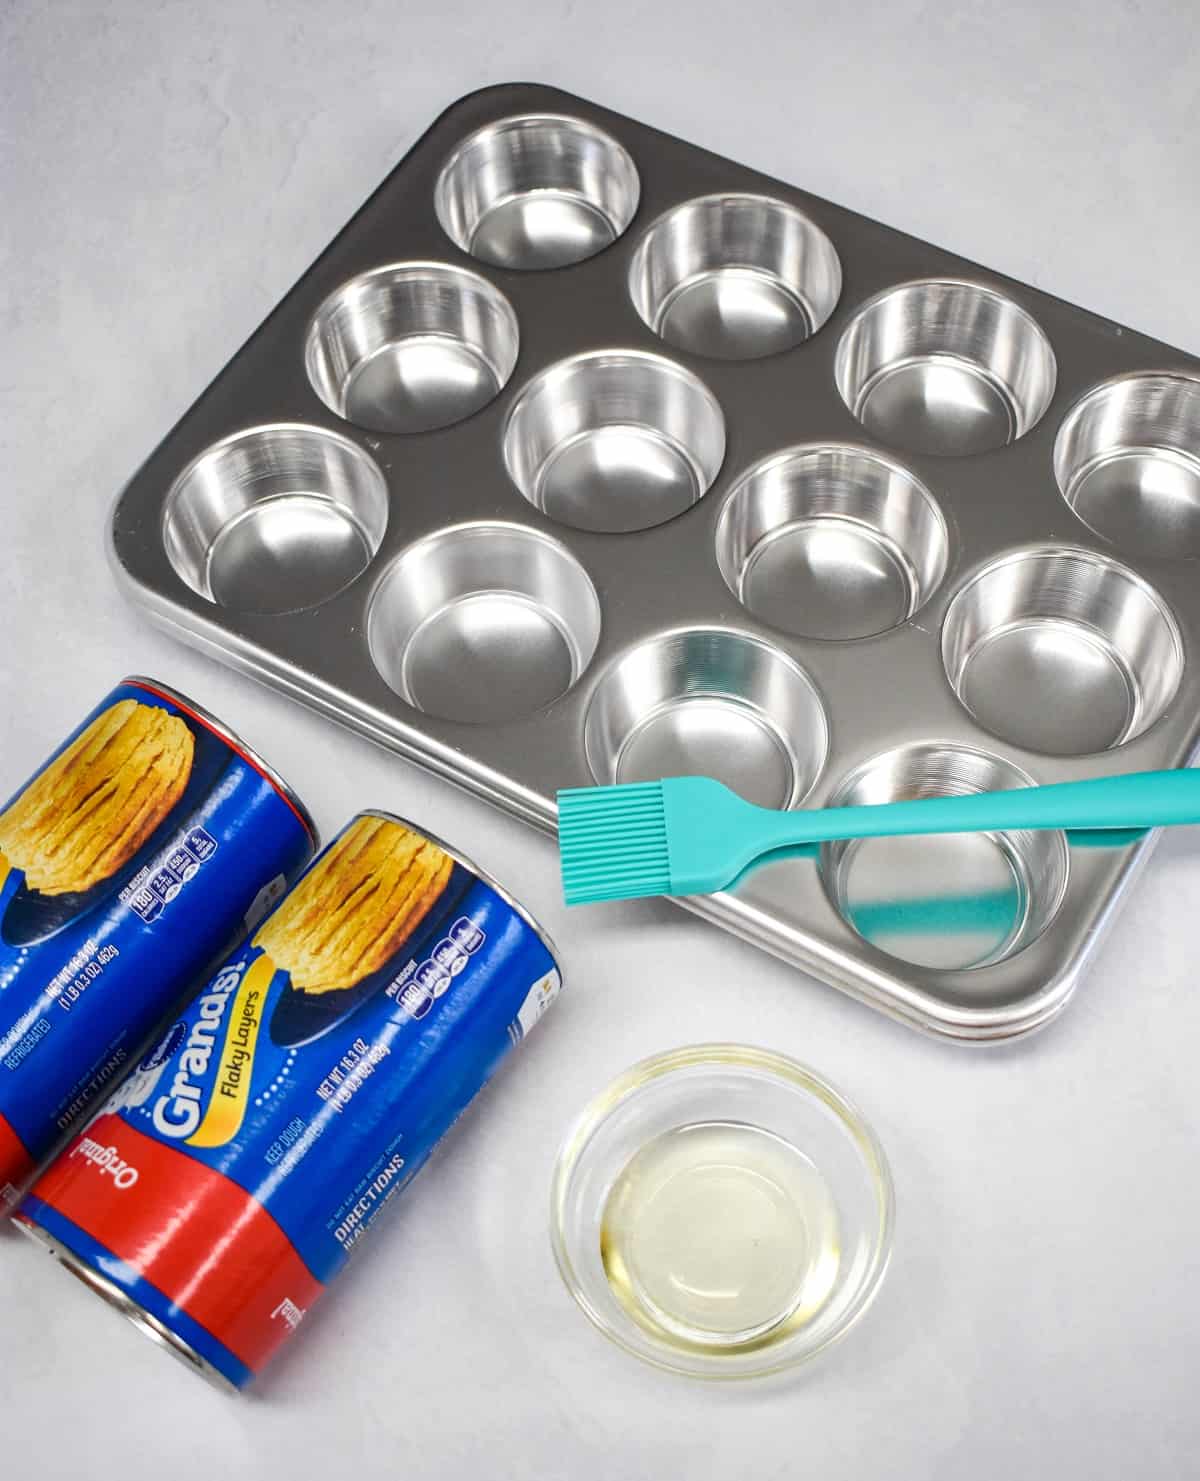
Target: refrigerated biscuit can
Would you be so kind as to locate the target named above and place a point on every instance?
(149, 842)
(230, 1178)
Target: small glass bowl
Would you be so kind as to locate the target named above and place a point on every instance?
(748, 1088)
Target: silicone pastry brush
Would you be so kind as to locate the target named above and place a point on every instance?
(693, 836)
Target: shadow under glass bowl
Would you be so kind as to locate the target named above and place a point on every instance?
(411, 347)
(275, 519)
(537, 191)
(1061, 650)
(1127, 459)
(953, 901)
(614, 441)
(945, 367)
(722, 1212)
(830, 541)
(735, 277)
(709, 702)
(483, 623)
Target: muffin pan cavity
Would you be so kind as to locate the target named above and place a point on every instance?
(411, 347)
(949, 902)
(1062, 651)
(709, 702)
(537, 191)
(275, 519)
(483, 623)
(614, 441)
(735, 277)
(945, 367)
(583, 455)
(831, 542)
(1127, 459)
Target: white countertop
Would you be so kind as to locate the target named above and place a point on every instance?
(168, 171)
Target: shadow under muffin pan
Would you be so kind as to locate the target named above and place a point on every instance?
(583, 455)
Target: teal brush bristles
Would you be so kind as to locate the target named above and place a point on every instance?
(675, 837)
(693, 836)
(617, 848)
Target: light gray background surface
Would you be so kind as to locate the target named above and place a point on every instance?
(168, 171)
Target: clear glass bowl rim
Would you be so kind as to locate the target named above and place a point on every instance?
(797, 1076)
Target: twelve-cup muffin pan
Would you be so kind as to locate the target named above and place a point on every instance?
(584, 455)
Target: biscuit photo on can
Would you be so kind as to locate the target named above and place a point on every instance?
(356, 906)
(94, 806)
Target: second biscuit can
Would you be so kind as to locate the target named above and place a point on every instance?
(148, 842)
(229, 1179)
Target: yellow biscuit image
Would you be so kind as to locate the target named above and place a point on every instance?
(356, 907)
(97, 802)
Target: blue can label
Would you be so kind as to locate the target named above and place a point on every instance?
(128, 863)
(300, 1091)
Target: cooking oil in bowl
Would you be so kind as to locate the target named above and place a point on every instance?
(720, 1236)
(720, 1211)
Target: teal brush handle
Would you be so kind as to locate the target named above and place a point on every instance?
(711, 844)
(1144, 799)
(1140, 799)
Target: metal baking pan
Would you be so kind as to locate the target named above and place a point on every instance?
(584, 454)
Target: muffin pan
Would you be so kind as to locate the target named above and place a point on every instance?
(585, 455)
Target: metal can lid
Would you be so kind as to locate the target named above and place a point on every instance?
(146, 1323)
